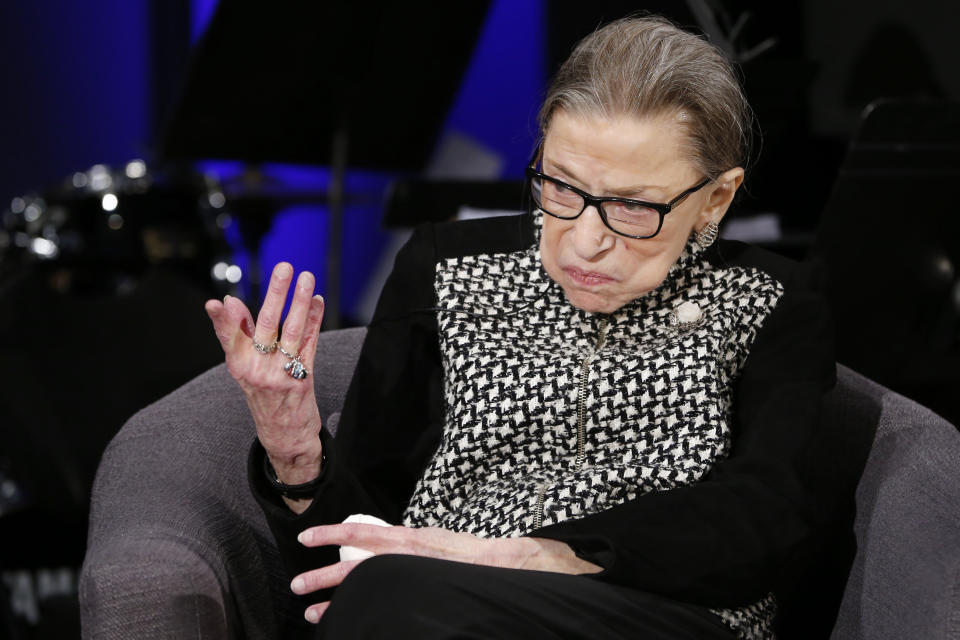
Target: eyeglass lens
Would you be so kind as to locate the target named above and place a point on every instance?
(623, 217)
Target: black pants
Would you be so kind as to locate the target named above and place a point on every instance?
(396, 596)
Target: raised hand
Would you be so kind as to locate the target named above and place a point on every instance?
(283, 405)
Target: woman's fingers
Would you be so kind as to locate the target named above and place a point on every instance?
(221, 324)
(366, 536)
(231, 320)
(323, 578)
(297, 316)
(315, 612)
(312, 329)
(240, 317)
(268, 320)
(429, 542)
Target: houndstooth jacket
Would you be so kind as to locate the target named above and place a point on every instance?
(667, 452)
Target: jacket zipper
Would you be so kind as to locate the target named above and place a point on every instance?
(538, 510)
(581, 419)
(582, 395)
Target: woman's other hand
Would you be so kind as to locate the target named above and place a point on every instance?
(284, 408)
(538, 554)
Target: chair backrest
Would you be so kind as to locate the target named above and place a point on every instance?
(905, 578)
(886, 560)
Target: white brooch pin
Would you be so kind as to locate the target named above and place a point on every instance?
(686, 316)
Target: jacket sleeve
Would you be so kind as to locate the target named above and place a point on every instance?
(389, 425)
(724, 541)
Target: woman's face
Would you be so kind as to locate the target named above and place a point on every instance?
(599, 270)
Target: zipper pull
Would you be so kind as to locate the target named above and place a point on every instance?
(602, 333)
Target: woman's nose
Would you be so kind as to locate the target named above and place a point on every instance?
(591, 236)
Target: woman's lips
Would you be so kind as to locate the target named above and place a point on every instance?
(587, 278)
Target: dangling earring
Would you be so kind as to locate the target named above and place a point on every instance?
(706, 236)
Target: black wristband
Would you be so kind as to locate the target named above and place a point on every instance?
(304, 491)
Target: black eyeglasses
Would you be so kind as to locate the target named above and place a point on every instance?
(630, 218)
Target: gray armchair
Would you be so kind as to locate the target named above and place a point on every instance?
(179, 549)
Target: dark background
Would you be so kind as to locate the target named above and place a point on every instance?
(246, 104)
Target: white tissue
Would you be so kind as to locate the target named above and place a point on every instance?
(355, 553)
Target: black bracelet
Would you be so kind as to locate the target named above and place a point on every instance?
(304, 491)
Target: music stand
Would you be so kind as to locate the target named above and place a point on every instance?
(324, 83)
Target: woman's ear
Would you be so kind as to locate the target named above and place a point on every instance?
(721, 195)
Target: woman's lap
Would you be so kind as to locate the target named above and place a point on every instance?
(396, 596)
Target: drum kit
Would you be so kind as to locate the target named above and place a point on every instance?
(102, 284)
(102, 227)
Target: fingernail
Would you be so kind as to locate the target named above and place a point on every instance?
(298, 585)
(305, 537)
(312, 616)
(225, 298)
(318, 297)
(284, 271)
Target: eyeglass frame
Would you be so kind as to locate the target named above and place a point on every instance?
(663, 208)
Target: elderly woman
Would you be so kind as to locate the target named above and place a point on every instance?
(583, 422)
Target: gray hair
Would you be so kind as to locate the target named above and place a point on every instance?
(647, 67)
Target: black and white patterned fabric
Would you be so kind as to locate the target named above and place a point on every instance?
(555, 413)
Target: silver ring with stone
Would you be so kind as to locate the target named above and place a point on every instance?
(266, 349)
(295, 369)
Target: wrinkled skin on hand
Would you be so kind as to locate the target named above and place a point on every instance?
(284, 409)
(514, 553)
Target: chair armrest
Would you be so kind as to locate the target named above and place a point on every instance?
(157, 590)
(177, 545)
